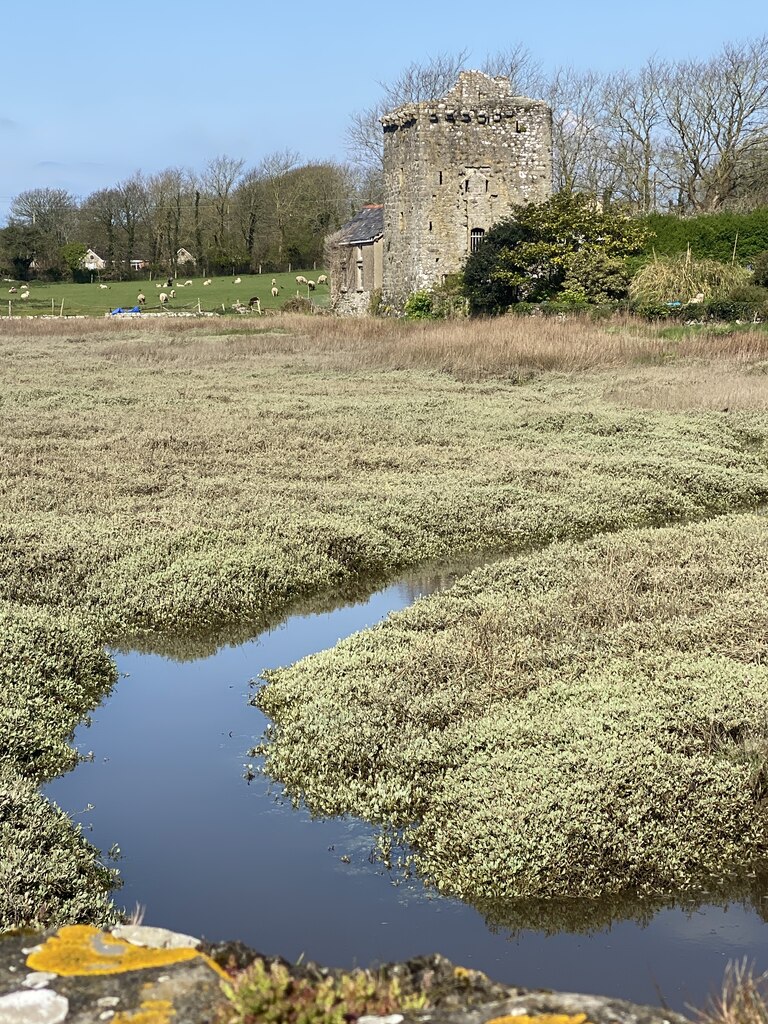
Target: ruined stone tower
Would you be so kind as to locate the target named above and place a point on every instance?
(453, 168)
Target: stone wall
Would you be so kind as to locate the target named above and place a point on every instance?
(356, 273)
(452, 169)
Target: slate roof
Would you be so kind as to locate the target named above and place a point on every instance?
(366, 226)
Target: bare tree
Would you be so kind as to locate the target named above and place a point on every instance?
(421, 80)
(716, 116)
(100, 219)
(51, 210)
(281, 198)
(578, 137)
(518, 65)
(218, 181)
(169, 203)
(131, 207)
(632, 127)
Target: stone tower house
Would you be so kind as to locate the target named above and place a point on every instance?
(453, 168)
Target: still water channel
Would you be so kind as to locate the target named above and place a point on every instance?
(206, 852)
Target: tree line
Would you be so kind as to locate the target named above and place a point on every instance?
(687, 137)
(229, 217)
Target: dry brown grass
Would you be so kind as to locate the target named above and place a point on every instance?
(741, 1000)
(713, 369)
(727, 387)
(492, 346)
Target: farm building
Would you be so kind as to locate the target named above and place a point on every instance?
(184, 256)
(354, 256)
(453, 168)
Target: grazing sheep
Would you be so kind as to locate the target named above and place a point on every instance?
(187, 283)
(311, 285)
(206, 282)
(255, 303)
(24, 295)
(301, 280)
(180, 285)
(172, 293)
(238, 280)
(159, 284)
(275, 291)
(104, 286)
(141, 298)
(274, 282)
(12, 291)
(322, 279)
(163, 298)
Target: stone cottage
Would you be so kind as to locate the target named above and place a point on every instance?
(453, 168)
(354, 257)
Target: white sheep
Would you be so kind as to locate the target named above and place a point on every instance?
(274, 283)
(187, 284)
(322, 279)
(12, 291)
(159, 284)
(206, 282)
(275, 291)
(104, 286)
(238, 280)
(24, 295)
(301, 280)
(180, 285)
(163, 298)
(141, 298)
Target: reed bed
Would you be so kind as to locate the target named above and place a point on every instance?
(507, 347)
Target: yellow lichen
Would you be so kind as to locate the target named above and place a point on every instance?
(151, 1011)
(540, 1018)
(82, 950)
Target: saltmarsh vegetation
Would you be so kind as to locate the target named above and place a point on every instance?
(585, 720)
(176, 479)
(52, 670)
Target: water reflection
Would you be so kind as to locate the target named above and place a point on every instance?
(209, 854)
(356, 591)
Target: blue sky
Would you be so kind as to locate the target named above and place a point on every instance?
(90, 93)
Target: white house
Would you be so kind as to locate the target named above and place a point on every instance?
(92, 261)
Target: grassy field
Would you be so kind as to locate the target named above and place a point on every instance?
(99, 298)
(176, 477)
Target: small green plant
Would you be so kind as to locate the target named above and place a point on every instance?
(419, 306)
(271, 993)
